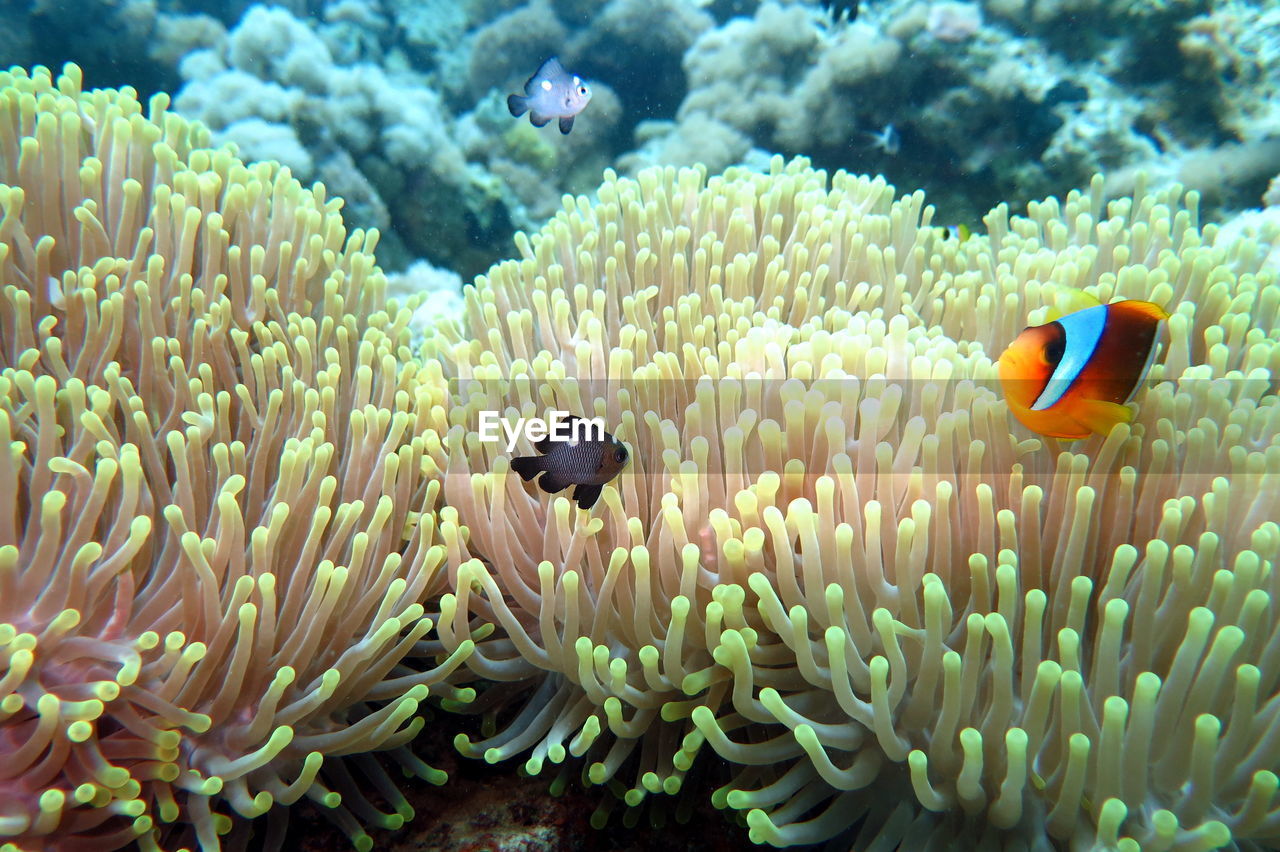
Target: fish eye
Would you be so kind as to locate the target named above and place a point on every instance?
(1053, 351)
(582, 90)
(620, 455)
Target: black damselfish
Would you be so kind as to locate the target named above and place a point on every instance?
(585, 459)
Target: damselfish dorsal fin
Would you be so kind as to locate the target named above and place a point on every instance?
(550, 70)
(562, 426)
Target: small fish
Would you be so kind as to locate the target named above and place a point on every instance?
(1072, 376)
(551, 92)
(585, 461)
(841, 8)
(959, 233)
(886, 140)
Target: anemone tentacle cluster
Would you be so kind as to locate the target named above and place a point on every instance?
(233, 502)
(837, 562)
(216, 524)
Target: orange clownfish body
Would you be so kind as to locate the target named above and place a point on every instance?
(1073, 376)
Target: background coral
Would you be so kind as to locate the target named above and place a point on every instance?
(836, 561)
(429, 155)
(215, 496)
(993, 101)
(115, 41)
(398, 105)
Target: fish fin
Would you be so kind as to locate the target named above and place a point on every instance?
(566, 124)
(544, 446)
(527, 466)
(551, 482)
(549, 70)
(538, 119)
(1098, 415)
(572, 420)
(518, 104)
(587, 495)
(1147, 309)
(1068, 300)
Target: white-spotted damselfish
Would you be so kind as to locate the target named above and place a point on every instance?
(551, 92)
(1073, 376)
(584, 459)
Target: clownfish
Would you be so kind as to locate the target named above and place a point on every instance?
(1073, 375)
(575, 455)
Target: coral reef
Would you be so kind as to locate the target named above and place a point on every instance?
(275, 90)
(1235, 49)
(1003, 101)
(428, 154)
(248, 528)
(836, 562)
(634, 45)
(396, 105)
(438, 291)
(134, 42)
(216, 523)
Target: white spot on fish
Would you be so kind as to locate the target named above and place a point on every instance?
(546, 85)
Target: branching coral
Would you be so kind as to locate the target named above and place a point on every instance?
(214, 487)
(837, 562)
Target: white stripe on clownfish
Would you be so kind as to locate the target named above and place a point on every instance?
(1081, 332)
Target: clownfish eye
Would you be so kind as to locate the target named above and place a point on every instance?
(1053, 351)
(620, 455)
(582, 90)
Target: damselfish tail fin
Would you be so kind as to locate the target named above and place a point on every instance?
(518, 104)
(527, 466)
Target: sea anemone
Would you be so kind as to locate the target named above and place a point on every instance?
(837, 561)
(215, 496)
